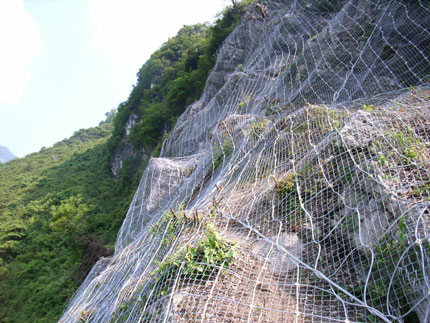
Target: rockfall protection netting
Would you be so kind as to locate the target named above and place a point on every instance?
(296, 189)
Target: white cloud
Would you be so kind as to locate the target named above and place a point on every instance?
(20, 41)
(133, 29)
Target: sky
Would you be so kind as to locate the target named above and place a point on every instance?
(65, 63)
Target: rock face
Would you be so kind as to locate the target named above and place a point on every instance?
(309, 151)
(125, 149)
(280, 261)
(5, 154)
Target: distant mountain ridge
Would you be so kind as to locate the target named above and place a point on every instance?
(5, 154)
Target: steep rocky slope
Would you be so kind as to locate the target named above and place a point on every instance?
(296, 189)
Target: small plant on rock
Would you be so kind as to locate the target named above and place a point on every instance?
(257, 128)
(244, 102)
(370, 107)
(200, 261)
(168, 225)
(222, 151)
(196, 261)
(272, 109)
(286, 185)
(410, 146)
(85, 316)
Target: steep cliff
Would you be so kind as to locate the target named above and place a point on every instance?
(167, 83)
(296, 189)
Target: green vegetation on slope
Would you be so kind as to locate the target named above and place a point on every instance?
(61, 208)
(173, 78)
(60, 211)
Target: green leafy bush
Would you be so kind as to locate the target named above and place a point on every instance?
(210, 252)
(201, 261)
(286, 185)
(409, 144)
(168, 225)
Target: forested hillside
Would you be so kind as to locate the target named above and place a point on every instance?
(61, 208)
(169, 81)
(60, 211)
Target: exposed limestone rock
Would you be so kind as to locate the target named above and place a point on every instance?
(120, 155)
(280, 262)
(360, 131)
(126, 149)
(170, 173)
(368, 218)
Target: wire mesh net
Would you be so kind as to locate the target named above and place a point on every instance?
(296, 189)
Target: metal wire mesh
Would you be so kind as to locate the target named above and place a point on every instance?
(296, 189)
